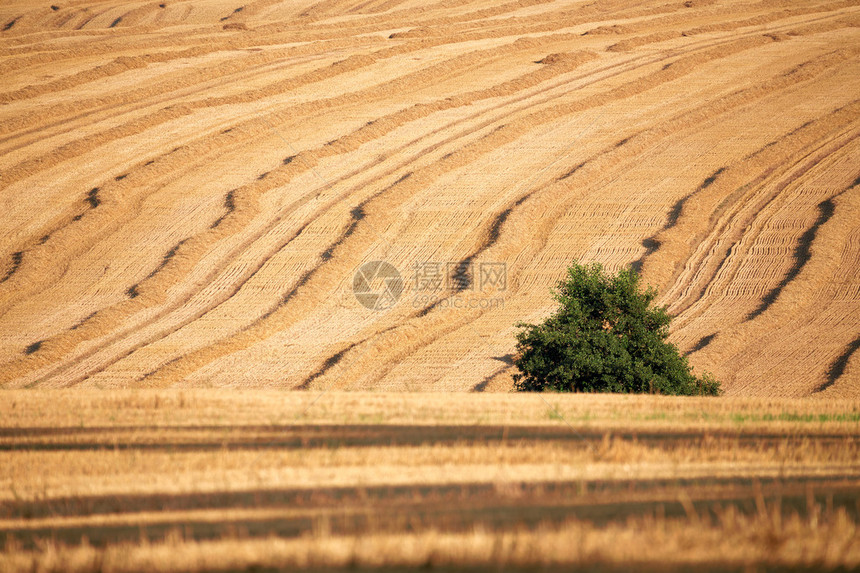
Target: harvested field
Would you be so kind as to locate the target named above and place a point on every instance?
(217, 480)
(189, 187)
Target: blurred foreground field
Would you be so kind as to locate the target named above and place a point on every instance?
(215, 480)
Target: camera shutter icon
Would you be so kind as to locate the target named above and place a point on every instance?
(377, 285)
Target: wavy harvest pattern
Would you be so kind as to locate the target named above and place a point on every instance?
(188, 187)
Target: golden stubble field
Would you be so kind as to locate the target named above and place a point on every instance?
(222, 480)
(188, 187)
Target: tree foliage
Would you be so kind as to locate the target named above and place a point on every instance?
(605, 337)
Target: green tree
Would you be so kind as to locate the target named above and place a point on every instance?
(605, 337)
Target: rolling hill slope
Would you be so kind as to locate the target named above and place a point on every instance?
(189, 187)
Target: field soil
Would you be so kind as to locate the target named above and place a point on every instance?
(190, 189)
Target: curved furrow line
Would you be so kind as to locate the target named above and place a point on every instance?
(373, 6)
(493, 379)
(410, 16)
(261, 327)
(708, 182)
(472, 21)
(742, 261)
(652, 18)
(775, 345)
(91, 201)
(430, 324)
(35, 51)
(807, 329)
(92, 17)
(726, 196)
(509, 82)
(676, 244)
(241, 206)
(558, 66)
(406, 16)
(122, 64)
(802, 252)
(15, 263)
(376, 355)
(397, 50)
(514, 24)
(421, 327)
(54, 111)
(242, 281)
(372, 339)
(205, 33)
(66, 19)
(743, 211)
(197, 44)
(264, 35)
(652, 243)
(19, 171)
(702, 343)
(356, 215)
(805, 72)
(177, 91)
(630, 44)
(435, 321)
(36, 17)
(324, 10)
(134, 16)
(517, 26)
(63, 221)
(10, 24)
(74, 233)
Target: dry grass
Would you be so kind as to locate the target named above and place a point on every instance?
(221, 480)
(732, 542)
(81, 408)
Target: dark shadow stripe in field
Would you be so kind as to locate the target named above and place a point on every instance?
(498, 510)
(585, 491)
(652, 243)
(837, 367)
(802, 253)
(201, 438)
(17, 259)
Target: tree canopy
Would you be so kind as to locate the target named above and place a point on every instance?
(605, 336)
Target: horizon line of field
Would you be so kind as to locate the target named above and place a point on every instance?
(301, 436)
(419, 508)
